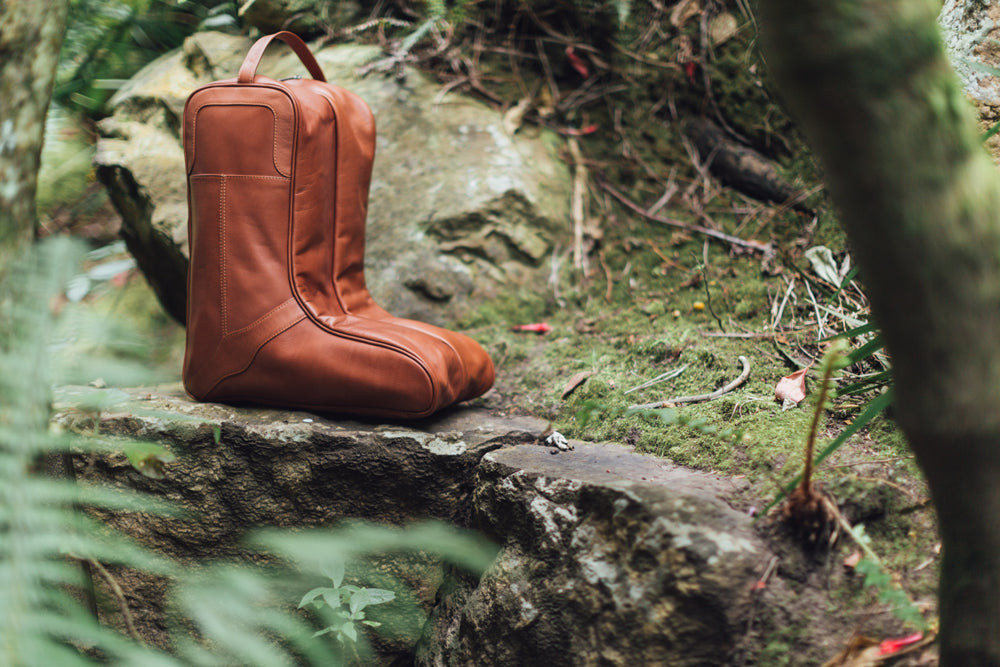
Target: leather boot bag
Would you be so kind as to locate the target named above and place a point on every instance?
(278, 312)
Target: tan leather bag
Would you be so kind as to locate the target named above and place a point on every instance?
(278, 312)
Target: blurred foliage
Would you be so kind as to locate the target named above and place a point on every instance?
(224, 613)
(107, 41)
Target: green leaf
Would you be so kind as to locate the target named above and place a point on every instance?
(874, 381)
(147, 457)
(358, 601)
(985, 69)
(310, 597)
(992, 131)
(853, 333)
(335, 570)
(866, 350)
(349, 631)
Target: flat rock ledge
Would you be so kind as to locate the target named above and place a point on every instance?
(607, 557)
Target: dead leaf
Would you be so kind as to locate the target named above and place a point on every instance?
(791, 389)
(853, 560)
(574, 382)
(866, 652)
(897, 644)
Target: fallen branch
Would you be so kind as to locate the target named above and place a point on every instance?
(579, 192)
(721, 236)
(700, 397)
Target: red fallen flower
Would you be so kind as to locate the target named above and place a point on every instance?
(577, 62)
(573, 132)
(539, 328)
(689, 68)
(890, 646)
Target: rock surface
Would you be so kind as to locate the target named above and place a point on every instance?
(459, 211)
(971, 30)
(608, 557)
(240, 468)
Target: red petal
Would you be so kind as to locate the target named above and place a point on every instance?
(574, 132)
(577, 62)
(889, 646)
(689, 68)
(537, 327)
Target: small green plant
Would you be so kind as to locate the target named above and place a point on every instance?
(813, 514)
(346, 605)
(808, 511)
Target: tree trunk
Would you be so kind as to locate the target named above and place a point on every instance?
(920, 200)
(31, 34)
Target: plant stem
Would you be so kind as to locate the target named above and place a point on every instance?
(805, 486)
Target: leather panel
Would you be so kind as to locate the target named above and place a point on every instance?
(218, 112)
(315, 370)
(256, 214)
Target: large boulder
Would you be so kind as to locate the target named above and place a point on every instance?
(240, 468)
(459, 210)
(607, 557)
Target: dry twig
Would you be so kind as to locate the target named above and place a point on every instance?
(721, 236)
(579, 192)
(700, 398)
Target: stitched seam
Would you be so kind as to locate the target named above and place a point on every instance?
(227, 339)
(336, 221)
(255, 177)
(222, 258)
(274, 133)
(263, 318)
(256, 351)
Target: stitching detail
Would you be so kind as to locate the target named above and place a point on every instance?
(263, 318)
(274, 132)
(243, 367)
(222, 255)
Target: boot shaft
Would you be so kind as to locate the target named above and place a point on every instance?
(269, 220)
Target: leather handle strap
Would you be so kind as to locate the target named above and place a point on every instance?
(249, 68)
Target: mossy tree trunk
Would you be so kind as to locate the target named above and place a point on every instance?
(31, 34)
(869, 81)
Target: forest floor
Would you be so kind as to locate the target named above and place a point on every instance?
(640, 310)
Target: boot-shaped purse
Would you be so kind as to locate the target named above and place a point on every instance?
(352, 173)
(278, 310)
